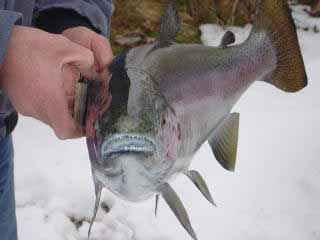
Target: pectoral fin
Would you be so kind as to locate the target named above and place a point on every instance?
(224, 141)
(98, 189)
(177, 207)
(198, 180)
(156, 206)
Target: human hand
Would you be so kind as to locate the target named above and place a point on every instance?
(98, 44)
(39, 73)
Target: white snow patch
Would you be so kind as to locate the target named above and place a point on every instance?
(303, 20)
(274, 193)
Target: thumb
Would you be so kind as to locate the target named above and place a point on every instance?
(82, 59)
(102, 51)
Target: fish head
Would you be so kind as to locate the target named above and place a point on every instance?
(137, 136)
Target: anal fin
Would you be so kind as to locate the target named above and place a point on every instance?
(224, 141)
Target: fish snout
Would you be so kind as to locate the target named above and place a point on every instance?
(121, 144)
(126, 124)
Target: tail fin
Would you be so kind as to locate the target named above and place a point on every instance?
(274, 18)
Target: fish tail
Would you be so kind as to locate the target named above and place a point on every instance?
(274, 19)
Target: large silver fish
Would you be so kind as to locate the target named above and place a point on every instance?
(167, 99)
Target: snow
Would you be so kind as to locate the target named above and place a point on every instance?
(302, 20)
(273, 194)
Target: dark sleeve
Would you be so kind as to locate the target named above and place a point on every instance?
(57, 15)
(7, 20)
(57, 20)
(8, 116)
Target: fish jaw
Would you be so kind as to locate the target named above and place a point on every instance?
(134, 165)
(127, 143)
(131, 166)
(121, 185)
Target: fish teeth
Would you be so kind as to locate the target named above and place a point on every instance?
(122, 143)
(124, 137)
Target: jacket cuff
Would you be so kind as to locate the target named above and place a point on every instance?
(7, 21)
(100, 20)
(57, 20)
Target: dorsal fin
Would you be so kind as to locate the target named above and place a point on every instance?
(227, 39)
(169, 27)
(224, 141)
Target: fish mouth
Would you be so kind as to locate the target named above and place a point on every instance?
(127, 143)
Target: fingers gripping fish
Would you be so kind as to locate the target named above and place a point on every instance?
(167, 99)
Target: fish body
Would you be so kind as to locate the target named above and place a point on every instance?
(167, 99)
(216, 78)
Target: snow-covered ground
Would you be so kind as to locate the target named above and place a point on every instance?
(274, 193)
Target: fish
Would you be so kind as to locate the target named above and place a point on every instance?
(164, 100)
